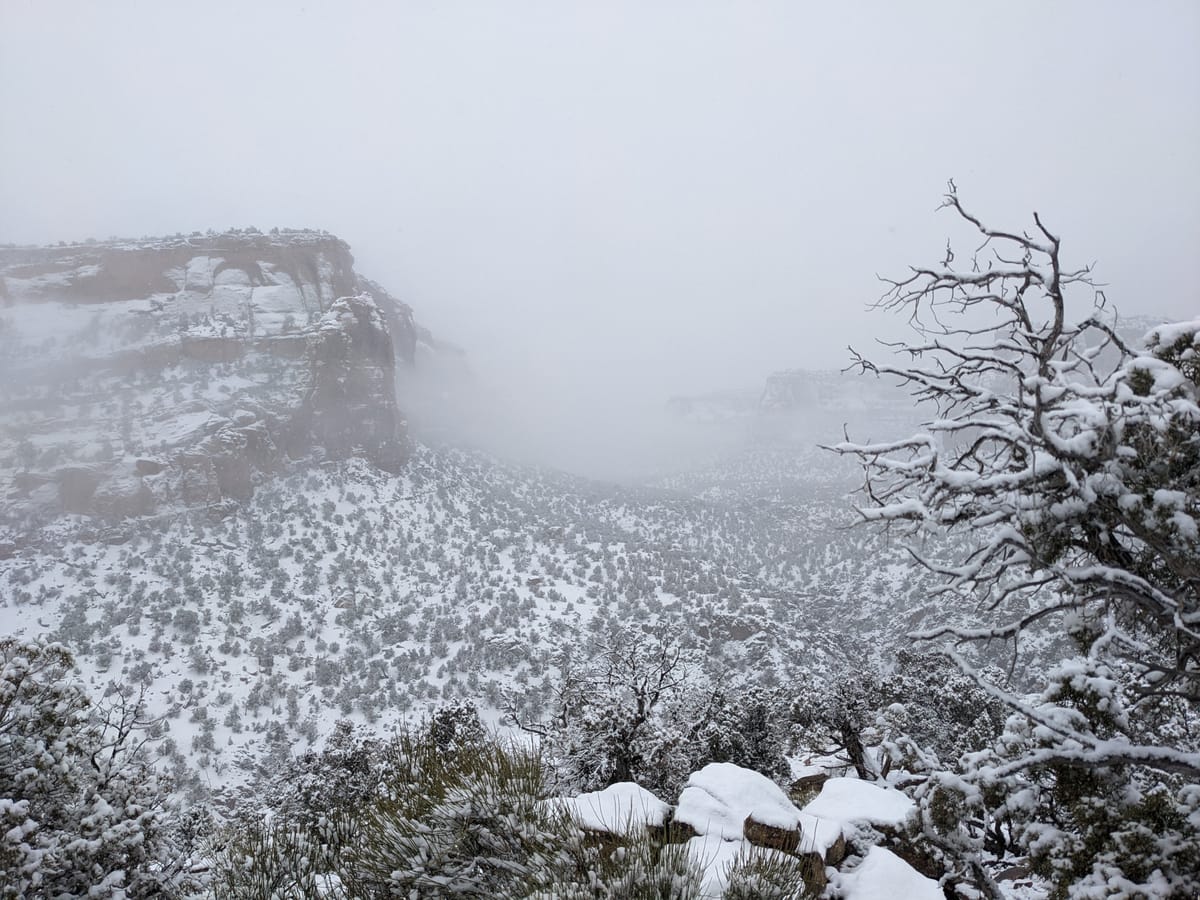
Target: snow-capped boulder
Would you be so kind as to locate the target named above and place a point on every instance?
(853, 800)
(619, 809)
(723, 799)
(736, 812)
(882, 875)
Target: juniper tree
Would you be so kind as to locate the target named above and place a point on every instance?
(81, 811)
(1065, 462)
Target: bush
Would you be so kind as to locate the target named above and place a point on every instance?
(81, 811)
(466, 820)
(455, 811)
(767, 875)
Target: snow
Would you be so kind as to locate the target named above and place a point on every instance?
(720, 797)
(618, 809)
(715, 856)
(853, 800)
(885, 876)
(1165, 376)
(1163, 336)
(818, 834)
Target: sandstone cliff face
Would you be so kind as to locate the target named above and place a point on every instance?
(138, 377)
(350, 408)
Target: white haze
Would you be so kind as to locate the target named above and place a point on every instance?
(609, 203)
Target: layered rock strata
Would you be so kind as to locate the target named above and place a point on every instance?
(141, 376)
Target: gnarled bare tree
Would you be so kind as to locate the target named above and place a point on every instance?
(1066, 465)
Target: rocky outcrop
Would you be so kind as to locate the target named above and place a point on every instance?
(798, 407)
(834, 393)
(727, 815)
(137, 376)
(350, 407)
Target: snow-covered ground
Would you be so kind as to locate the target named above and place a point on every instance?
(347, 592)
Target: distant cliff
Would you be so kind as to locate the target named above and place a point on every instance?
(142, 375)
(823, 399)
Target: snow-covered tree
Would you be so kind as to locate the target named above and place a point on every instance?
(1066, 465)
(642, 710)
(81, 812)
(945, 710)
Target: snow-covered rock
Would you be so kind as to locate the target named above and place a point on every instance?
(222, 356)
(882, 875)
(619, 809)
(853, 800)
(722, 798)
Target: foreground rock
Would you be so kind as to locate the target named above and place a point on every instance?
(730, 816)
(853, 800)
(884, 876)
(621, 809)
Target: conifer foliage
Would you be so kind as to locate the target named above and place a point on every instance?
(81, 812)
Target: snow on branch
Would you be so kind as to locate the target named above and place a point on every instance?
(1064, 462)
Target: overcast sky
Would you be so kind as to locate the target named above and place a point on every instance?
(625, 199)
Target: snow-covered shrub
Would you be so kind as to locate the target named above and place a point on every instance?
(642, 711)
(465, 819)
(81, 811)
(945, 710)
(636, 867)
(1090, 827)
(769, 876)
(275, 860)
(454, 811)
(456, 726)
(311, 788)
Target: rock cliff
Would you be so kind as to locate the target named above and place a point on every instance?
(819, 398)
(139, 376)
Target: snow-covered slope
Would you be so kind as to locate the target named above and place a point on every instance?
(203, 498)
(348, 591)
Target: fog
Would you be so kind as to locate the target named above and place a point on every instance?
(607, 204)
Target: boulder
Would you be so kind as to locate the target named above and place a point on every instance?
(810, 783)
(123, 497)
(883, 810)
(145, 466)
(619, 809)
(736, 810)
(76, 485)
(1018, 872)
(722, 797)
(882, 874)
(786, 840)
(854, 800)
